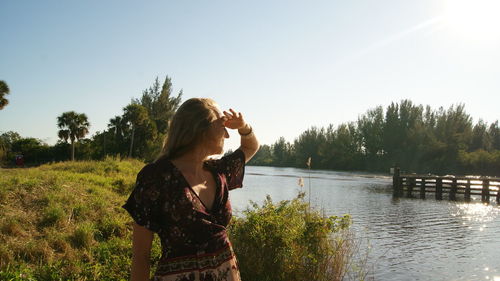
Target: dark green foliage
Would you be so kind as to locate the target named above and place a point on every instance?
(413, 137)
(281, 152)
(263, 157)
(479, 162)
(160, 106)
(289, 241)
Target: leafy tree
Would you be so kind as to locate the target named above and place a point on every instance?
(281, 152)
(74, 126)
(160, 104)
(34, 150)
(6, 141)
(480, 137)
(494, 133)
(145, 132)
(341, 149)
(263, 157)
(370, 127)
(308, 145)
(454, 130)
(403, 134)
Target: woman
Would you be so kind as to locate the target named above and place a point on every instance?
(183, 197)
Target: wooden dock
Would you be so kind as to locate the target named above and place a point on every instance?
(413, 186)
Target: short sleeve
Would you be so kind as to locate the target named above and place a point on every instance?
(144, 203)
(233, 167)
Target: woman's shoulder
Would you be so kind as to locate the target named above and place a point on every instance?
(157, 170)
(226, 160)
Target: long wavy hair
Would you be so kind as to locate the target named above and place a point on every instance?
(188, 127)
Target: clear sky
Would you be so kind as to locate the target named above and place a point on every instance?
(286, 65)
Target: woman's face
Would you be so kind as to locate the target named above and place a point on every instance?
(216, 134)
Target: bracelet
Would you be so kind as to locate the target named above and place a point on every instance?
(244, 135)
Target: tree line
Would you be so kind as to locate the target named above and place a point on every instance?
(414, 137)
(138, 132)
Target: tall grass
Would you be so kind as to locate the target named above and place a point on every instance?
(64, 221)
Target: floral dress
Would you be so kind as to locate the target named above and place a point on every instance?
(194, 242)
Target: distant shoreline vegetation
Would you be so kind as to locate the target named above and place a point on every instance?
(416, 138)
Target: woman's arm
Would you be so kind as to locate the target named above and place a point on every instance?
(249, 144)
(141, 253)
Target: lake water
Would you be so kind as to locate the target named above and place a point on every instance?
(409, 239)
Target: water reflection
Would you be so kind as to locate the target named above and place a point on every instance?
(410, 239)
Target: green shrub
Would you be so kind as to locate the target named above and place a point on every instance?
(289, 241)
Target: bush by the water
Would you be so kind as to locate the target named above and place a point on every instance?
(289, 241)
(64, 221)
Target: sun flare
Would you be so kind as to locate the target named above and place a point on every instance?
(474, 19)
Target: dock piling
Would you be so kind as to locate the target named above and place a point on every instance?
(467, 191)
(422, 189)
(439, 189)
(453, 190)
(485, 193)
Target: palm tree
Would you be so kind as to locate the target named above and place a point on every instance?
(135, 115)
(117, 125)
(73, 126)
(4, 90)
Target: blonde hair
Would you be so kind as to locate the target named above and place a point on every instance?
(188, 126)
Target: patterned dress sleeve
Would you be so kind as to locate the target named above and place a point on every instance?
(233, 166)
(144, 203)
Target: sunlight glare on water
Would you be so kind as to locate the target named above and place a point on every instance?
(477, 212)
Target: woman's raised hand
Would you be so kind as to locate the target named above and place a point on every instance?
(234, 120)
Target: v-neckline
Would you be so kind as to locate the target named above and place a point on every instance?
(207, 210)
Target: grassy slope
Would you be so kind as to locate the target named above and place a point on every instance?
(65, 221)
